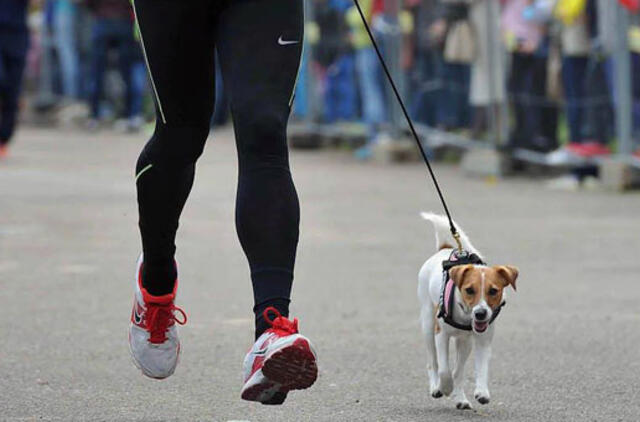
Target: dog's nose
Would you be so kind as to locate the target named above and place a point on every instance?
(481, 314)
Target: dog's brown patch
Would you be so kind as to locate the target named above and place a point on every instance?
(475, 283)
(509, 274)
(445, 246)
(468, 278)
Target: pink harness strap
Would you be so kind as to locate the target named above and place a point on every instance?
(448, 291)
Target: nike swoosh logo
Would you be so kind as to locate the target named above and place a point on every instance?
(136, 316)
(288, 42)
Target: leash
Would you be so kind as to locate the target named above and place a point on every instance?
(452, 226)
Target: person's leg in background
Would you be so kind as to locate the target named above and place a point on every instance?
(64, 30)
(573, 73)
(99, 38)
(123, 33)
(372, 96)
(417, 78)
(13, 52)
(455, 105)
(424, 107)
(538, 104)
(517, 88)
(344, 83)
(527, 91)
(462, 107)
(332, 93)
(598, 111)
(139, 87)
(84, 22)
(445, 118)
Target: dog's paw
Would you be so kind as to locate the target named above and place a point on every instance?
(482, 396)
(463, 405)
(446, 384)
(460, 399)
(436, 393)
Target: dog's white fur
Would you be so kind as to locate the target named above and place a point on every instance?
(444, 381)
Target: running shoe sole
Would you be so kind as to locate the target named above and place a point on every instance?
(265, 392)
(293, 367)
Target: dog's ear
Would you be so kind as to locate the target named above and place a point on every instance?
(509, 273)
(458, 273)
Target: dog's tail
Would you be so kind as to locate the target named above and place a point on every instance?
(444, 238)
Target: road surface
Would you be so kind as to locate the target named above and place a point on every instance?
(567, 346)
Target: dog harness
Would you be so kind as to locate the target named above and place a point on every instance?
(456, 258)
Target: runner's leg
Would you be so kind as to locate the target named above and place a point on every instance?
(12, 63)
(177, 38)
(259, 44)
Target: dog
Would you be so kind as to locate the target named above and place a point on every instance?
(478, 295)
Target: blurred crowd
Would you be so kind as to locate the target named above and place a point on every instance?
(550, 63)
(83, 59)
(460, 64)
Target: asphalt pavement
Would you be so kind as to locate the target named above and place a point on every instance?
(567, 344)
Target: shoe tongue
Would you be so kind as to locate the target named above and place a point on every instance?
(157, 300)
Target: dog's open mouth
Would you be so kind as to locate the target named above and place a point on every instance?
(480, 327)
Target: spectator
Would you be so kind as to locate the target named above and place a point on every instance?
(64, 38)
(369, 77)
(335, 59)
(598, 116)
(139, 78)
(14, 41)
(454, 108)
(575, 52)
(523, 34)
(112, 27)
(427, 64)
(584, 81)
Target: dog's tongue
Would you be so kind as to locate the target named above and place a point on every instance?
(480, 326)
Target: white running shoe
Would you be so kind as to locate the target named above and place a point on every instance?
(279, 361)
(153, 335)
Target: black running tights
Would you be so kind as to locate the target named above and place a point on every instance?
(259, 43)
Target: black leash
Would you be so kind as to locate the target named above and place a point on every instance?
(452, 226)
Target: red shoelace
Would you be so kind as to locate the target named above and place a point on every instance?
(159, 318)
(280, 325)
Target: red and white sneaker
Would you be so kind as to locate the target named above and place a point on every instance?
(153, 335)
(280, 360)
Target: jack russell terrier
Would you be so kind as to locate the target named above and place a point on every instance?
(460, 298)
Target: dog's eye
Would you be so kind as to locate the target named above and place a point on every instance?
(470, 290)
(493, 291)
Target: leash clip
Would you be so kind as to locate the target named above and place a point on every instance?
(456, 236)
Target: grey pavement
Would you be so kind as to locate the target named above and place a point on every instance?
(567, 346)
